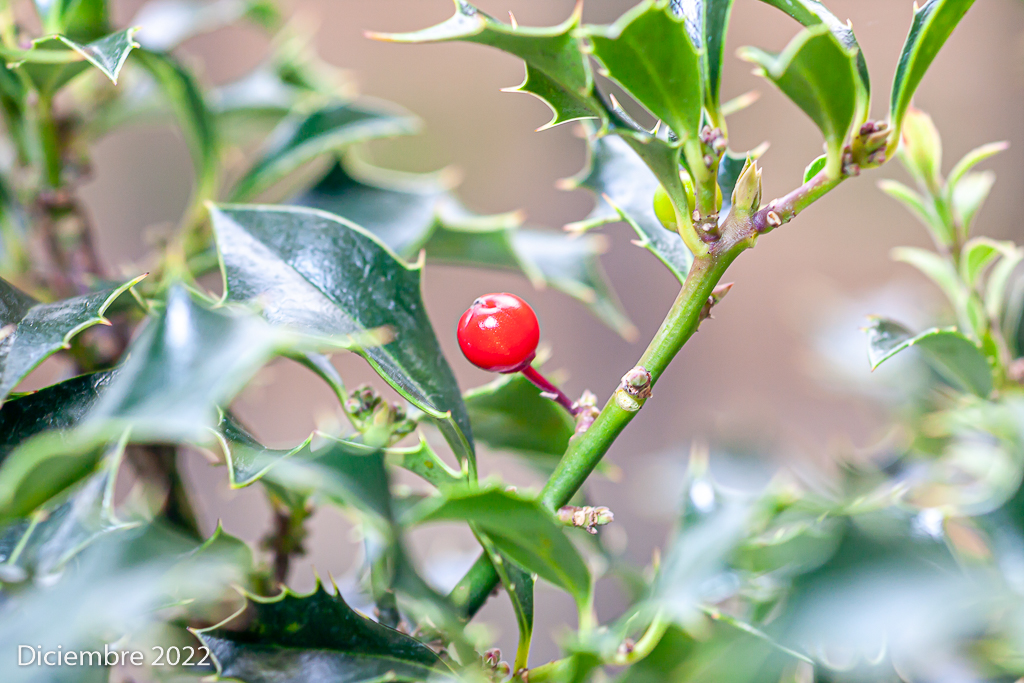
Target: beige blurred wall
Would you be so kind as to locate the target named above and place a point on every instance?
(748, 373)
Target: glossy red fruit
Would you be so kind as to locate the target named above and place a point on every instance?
(499, 333)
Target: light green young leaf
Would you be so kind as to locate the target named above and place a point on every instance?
(996, 289)
(978, 254)
(301, 138)
(668, 81)
(31, 332)
(410, 212)
(939, 270)
(316, 272)
(510, 414)
(972, 159)
(815, 167)
(969, 194)
(424, 462)
(48, 69)
(955, 357)
(933, 23)
(557, 71)
(316, 638)
(820, 75)
(922, 208)
(520, 528)
(921, 149)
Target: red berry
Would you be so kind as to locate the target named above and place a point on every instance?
(499, 333)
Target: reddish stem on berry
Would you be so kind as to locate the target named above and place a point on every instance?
(548, 388)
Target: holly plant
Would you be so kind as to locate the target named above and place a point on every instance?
(904, 566)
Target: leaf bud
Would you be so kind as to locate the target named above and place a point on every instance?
(921, 149)
(746, 196)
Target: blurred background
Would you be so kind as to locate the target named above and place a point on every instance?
(754, 381)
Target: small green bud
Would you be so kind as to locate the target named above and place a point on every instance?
(663, 207)
(921, 149)
(746, 196)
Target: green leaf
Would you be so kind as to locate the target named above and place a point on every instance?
(54, 60)
(520, 529)
(815, 167)
(955, 357)
(932, 25)
(624, 186)
(978, 254)
(165, 24)
(81, 20)
(301, 138)
(922, 208)
(820, 75)
(186, 99)
(969, 194)
(31, 332)
(518, 584)
(1013, 319)
(510, 414)
(423, 461)
(707, 22)
(410, 212)
(315, 638)
(972, 159)
(557, 71)
(937, 269)
(667, 81)
(317, 272)
(998, 283)
(246, 458)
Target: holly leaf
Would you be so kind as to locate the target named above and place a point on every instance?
(520, 528)
(410, 212)
(557, 71)
(301, 138)
(246, 458)
(52, 61)
(509, 414)
(31, 332)
(316, 272)
(955, 357)
(820, 75)
(518, 585)
(932, 25)
(315, 638)
(82, 20)
(667, 81)
(707, 22)
(625, 186)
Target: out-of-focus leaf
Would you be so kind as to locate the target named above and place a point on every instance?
(972, 159)
(978, 254)
(186, 99)
(933, 23)
(624, 187)
(316, 272)
(247, 459)
(316, 638)
(31, 332)
(518, 585)
(108, 54)
(557, 71)
(668, 81)
(521, 529)
(815, 167)
(414, 212)
(299, 139)
(996, 289)
(510, 414)
(937, 269)
(820, 75)
(953, 355)
(921, 149)
(1013, 320)
(81, 20)
(922, 209)
(164, 24)
(969, 194)
(707, 22)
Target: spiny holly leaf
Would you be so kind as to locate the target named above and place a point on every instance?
(301, 138)
(247, 459)
(707, 22)
(933, 23)
(316, 638)
(819, 75)
(625, 187)
(82, 20)
(47, 74)
(518, 585)
(667, 80)
(414, 212)
(31, 332)
(165, 24)
(557, 71)
(314, 271)
(423, 461)
(955, 357)
(510, 414)
(520, 528)
(197, 123)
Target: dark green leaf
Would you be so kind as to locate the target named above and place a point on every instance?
(557, 71)
(518, 585)
(510, 414)
(313, 271)
(820, 76)
(707, 22)
(108, 54)
(81, 20)
(301, 138)
(932, 25)
(953, 355)
(316, 638)
(247, 459)
(31, 332)
(667, 80)
(520, 529)
(624, 187)
(410, 213)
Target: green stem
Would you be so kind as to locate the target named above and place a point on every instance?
(48, 141)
